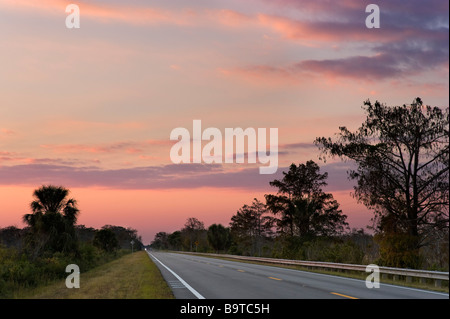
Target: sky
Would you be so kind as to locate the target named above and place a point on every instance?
(92, 108)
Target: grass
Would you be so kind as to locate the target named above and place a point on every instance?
(133, 276)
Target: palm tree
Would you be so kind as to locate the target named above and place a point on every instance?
(52, 221)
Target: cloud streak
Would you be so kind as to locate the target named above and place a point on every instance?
(172, 176)
(116, 147)
(413, 36)
(137, 14)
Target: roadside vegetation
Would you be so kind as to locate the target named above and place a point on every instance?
(39, 253)
(132, 276)
(399, 160)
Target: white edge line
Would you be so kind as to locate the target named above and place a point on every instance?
(195, 292)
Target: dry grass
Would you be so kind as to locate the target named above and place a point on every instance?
(133, 276)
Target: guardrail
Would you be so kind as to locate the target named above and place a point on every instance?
(437, 276)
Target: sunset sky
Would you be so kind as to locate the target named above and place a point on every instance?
(92, 108)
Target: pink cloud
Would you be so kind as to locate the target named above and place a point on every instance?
(5, 131)
(110, 12)
(117, 147)
(388, 63)
(170, 176)
(136, 15)
(147, 157)
(230, 18)
(17, 159)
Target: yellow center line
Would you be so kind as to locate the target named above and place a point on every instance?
(350, 297)
(240, 270)
(274, 278)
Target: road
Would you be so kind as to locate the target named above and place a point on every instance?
(196, 277)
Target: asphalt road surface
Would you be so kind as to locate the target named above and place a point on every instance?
(195, 277)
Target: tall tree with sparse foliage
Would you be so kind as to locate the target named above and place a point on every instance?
(250, 226)
(402, 157)
(192, 233)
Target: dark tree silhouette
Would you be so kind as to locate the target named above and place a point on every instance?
(52, 221)
(218, 237)
(250, 226)
(304, 209)
(402, 157)
(160, 241)
(192, 232)
(106, 239)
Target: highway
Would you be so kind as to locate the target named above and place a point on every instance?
(196, 277)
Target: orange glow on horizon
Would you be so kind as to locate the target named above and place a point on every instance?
(152, 211)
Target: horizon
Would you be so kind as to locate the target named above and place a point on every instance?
(92, 108)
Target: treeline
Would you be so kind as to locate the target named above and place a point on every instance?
(300, 221)
(109, 237)
(401, 174)
(356, 246)
(353, 246)
(40, 252)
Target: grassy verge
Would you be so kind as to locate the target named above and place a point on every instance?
(133, 276)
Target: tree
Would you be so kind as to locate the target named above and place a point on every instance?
(218, 237)
(306, 211)
(52, 221)
(160, 241)
(402, 157)
(174, 240)
(125, 236)
(250, 226)
(11, 236)
(193, 232)
(106, 239)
